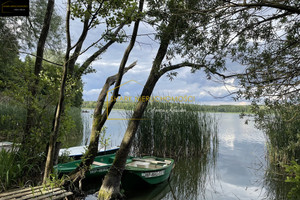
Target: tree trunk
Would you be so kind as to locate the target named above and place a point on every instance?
(101, 117)
(69, 66)
(54, 133)
(30, 118)
(98, 123)
(110, 188)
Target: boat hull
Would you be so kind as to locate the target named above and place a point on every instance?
(148, 171)
(99, 167)
(77, 152)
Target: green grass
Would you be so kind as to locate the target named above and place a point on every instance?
(16, 168)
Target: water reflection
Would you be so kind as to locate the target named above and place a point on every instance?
(274, 183)
(115, 128)
(238, 171)
(87, 119)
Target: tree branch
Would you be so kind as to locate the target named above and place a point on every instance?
(109, 82)
(68, 26)
(23, 52)
(266, 4)
(196, 66)
(89, 60)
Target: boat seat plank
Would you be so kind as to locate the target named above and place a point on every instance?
(99, 163)
(150, 161)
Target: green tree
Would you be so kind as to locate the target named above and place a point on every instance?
(31, 111)
(115, 15)
(262, 36)
(8, 53)
(175, 29)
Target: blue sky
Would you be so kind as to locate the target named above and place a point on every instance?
(185, 83)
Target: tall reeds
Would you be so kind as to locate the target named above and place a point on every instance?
(282, 127)
(190, 137)
(175, 130)
(13, 117)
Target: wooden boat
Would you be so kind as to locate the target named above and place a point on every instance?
(9, 146)
(99, 167)
(77, 152)
(148, 170)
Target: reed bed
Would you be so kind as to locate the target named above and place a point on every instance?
(190, 137)
(282, 127)
(274, 184)
(175, 130)
(283, 130)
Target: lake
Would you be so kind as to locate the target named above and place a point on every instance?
(236, 172)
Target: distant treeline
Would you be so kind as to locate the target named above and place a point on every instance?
(204, 108)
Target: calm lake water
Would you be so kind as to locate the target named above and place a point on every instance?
(237, 172)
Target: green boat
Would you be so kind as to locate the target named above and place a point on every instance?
(99, 167)
(148, 170)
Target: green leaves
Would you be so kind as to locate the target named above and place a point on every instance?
(294, 177)
(110, 13)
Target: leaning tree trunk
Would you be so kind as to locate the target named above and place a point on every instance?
(98, 123)
(54, 133)
(70, 61)
(110, 188)
(101, 117)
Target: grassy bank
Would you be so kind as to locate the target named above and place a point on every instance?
(16, 168)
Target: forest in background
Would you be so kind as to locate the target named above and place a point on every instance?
(204, 108)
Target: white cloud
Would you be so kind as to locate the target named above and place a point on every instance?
(229, 81)
(92, 92)
(226, 190)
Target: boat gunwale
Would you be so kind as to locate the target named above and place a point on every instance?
(140, 169)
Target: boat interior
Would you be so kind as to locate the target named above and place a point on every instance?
(104, 160)
(148, 163)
